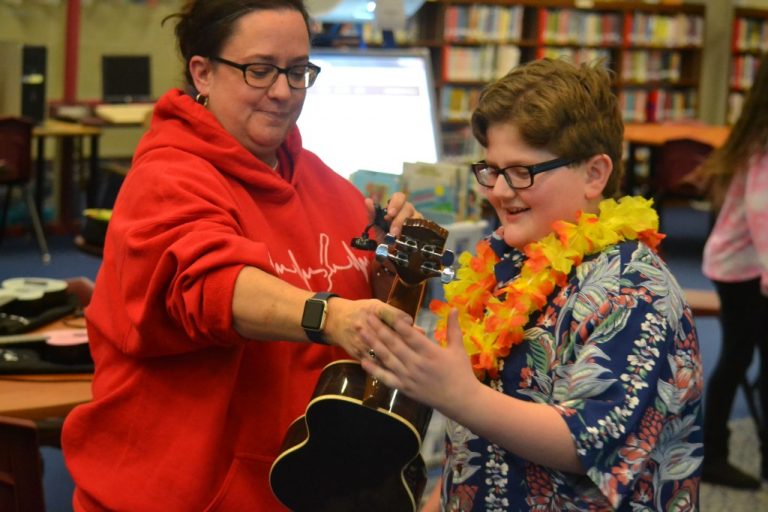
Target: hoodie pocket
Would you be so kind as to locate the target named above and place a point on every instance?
(246, 487)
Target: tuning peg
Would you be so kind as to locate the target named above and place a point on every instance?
(447, 275)
(447, 258)
(382, 252)
(407, 244)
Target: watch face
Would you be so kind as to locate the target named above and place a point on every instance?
(314, 311)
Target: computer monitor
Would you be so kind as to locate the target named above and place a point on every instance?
(371, 109)
(125, 78)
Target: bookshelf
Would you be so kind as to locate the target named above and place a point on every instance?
(655, 51)
(749, 42)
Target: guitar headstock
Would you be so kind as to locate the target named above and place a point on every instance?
(418, 253)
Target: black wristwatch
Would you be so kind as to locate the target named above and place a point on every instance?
(313, 319)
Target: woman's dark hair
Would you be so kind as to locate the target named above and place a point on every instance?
(204, 26)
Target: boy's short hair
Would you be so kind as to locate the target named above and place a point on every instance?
(568, 110)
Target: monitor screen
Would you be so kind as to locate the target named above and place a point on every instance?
(125, 78)
(371, 109)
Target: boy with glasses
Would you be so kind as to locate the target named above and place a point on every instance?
(569, 365)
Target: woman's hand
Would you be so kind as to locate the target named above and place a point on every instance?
(348, 319)
(398, 209)
(406, 359)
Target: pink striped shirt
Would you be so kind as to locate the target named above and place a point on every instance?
(737, 248)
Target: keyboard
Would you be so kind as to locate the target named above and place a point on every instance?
(124, 113)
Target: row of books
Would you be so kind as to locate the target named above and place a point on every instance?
(666, 31)
(478, 63)
(651, 65)
(750, 34)
(459, 145)
(444, 192)
(573, 26)
(744, 70)
(458, 103)
(657, 105)
(483, 23)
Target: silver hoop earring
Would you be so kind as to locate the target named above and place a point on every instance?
(201, 99)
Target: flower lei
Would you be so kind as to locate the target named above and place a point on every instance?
(492, 321)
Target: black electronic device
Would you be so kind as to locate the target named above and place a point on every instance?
(23, 80)
(126, 78)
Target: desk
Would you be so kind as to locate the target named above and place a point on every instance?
(68, 134)
(42, 396)
(654, 135)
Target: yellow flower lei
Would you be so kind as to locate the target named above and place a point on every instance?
(492, 325)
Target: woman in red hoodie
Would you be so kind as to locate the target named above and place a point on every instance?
(223, 230)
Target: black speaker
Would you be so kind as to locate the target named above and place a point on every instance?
(23, 80)
(33, 64)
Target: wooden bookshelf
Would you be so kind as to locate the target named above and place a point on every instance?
(654, 49)
(749, 42)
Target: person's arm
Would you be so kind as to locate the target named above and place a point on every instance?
(442, 378)
(266, 308)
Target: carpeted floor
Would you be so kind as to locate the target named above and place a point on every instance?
(716, 498)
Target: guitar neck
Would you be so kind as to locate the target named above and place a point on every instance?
(407, 297)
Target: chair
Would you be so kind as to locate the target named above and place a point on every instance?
(674, 176)
(21, 481)
(16, 170)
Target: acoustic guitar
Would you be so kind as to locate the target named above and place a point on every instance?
(357, 447)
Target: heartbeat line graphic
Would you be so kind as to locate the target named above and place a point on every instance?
(327, 269)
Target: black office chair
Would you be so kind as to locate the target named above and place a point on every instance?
(16, 170)
(674, 176)
(21, 477)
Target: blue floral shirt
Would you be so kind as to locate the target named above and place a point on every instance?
(615, 352)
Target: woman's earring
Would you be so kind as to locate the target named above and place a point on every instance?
(201, 99)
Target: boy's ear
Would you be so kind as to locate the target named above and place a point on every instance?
(599, 169)
(200, 69)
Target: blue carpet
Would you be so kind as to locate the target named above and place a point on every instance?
(686, 232)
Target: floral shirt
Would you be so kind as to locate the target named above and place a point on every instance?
(615, 352)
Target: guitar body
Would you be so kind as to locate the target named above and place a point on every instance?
(357, 447)
(358, 457)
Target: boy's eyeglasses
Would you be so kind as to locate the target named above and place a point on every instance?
(517, 176)
(263, 75)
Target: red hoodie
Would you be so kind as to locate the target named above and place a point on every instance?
(186, 414)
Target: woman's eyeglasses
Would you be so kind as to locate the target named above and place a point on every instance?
(262, 75)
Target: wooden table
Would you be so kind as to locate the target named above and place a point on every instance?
(37, 397)
(70, 135)
(654, 135)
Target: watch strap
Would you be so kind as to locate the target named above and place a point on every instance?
(316, 336)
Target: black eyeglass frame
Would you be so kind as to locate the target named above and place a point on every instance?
(280, 71)
(532, 169)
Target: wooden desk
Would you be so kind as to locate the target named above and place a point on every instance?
(654, 135)
(70, 136)
(43, 396)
